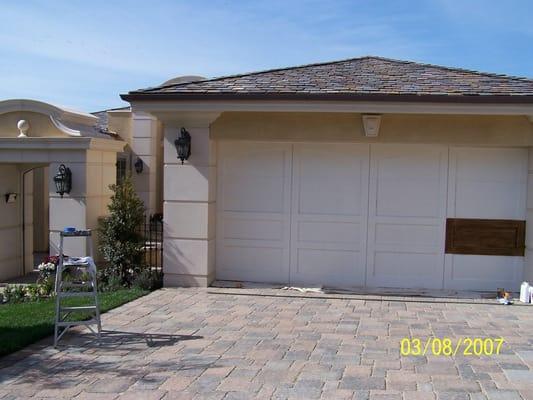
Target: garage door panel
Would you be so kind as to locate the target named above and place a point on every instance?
(400, 198)
(330, 200)
(486, 183)
(327, 182)
(415, 237)
(254, 179)
(417, 270)
(248, 263)
(402, 235)
(399, 179)
(343, 234)
(406, 216)
(253, 229)
(253, 211)
(313, 265)
(499, 198)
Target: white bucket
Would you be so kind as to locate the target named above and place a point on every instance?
(525, 294)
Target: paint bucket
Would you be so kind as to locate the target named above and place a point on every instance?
(525, 295)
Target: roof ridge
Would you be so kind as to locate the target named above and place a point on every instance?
(110, 109)
(457, 69)
(387, 59)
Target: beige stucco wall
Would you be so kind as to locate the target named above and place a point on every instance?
(101, 173)
(143, 134)
(528, 266)
(10, 223)
(120, 122)
(404, 128)
(40, 209)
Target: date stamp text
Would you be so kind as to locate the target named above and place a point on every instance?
(465, 346)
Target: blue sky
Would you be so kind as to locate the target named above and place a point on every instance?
(82, 54)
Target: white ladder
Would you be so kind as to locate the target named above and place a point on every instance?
(82, 288)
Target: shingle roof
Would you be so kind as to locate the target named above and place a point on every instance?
(103, 121)
(357, 78)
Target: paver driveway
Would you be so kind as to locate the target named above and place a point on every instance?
(231, 344)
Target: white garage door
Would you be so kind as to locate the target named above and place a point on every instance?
(359, 214)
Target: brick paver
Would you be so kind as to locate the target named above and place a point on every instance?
(265, 343)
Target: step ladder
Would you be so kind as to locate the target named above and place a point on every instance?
(82, 284)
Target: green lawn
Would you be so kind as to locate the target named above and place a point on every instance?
(24, 323)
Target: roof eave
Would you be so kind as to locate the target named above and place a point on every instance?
(432, 98)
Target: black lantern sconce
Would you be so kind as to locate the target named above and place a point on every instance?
(63, 180)
(139, 165)
(183, 145)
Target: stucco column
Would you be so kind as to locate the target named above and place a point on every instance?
(146, 146)
(71, 209)
(528, 265)
(93, 171)
(189, 204)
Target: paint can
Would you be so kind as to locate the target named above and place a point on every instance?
(525, 295)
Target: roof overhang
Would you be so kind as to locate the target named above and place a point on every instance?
(161, 107)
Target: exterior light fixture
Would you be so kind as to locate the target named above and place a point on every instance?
(10, 197)
(63, 180)
(139, 165)
(183, 145)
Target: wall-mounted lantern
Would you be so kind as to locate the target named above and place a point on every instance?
(183, 145)
(10, 197)
(63, 180)
(139, 165)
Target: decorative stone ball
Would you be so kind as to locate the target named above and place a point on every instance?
(23, 127)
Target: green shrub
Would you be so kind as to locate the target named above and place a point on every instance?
(148, 279)
(121, 243)
(108, 280)
(46, 286)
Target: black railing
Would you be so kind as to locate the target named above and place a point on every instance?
(152, 231)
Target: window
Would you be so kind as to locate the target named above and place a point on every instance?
(122, 163)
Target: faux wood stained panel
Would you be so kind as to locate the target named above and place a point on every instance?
(496, 237)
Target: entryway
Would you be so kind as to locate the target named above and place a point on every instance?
(349, 215)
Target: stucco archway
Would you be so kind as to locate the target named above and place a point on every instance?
(51, 136)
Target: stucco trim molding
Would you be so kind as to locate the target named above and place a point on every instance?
(52, 143)
(116, 146)
(363, 107)
(63, 128)
(58, 113)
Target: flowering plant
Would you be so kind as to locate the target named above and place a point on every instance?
(46, 267)
(52, 259)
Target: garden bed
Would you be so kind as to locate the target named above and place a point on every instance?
(24, 323)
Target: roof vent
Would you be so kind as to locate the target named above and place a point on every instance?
(183, 79)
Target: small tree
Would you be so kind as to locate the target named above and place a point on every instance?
(121, 242)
